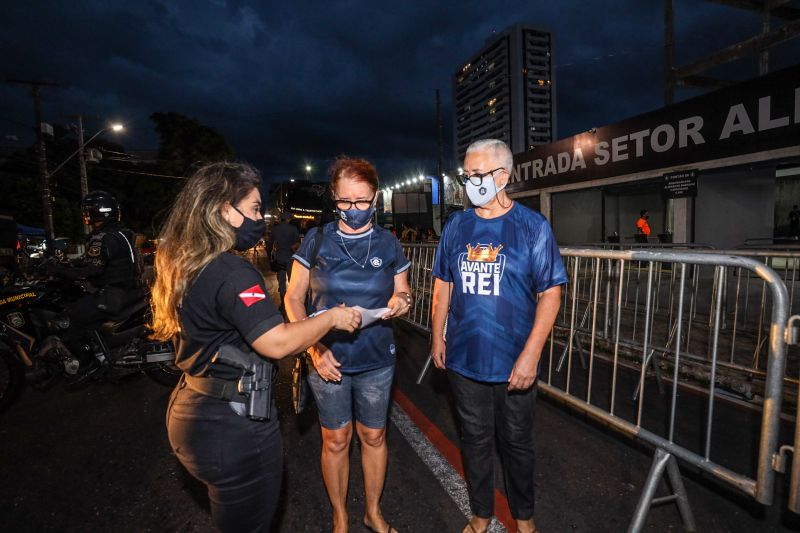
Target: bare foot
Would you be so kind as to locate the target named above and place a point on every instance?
(476, 524)
(527, 526)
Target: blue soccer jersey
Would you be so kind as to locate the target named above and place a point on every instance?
(497, 266)
(355, 270)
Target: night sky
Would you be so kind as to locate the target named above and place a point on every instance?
(295, 82)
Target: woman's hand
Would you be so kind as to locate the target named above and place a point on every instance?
(399, 304)
(326, 364)
(345, 318)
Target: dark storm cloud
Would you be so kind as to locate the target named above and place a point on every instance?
(304, 81)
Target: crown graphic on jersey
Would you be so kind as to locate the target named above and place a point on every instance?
(483, 253)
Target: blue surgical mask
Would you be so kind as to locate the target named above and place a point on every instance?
(356, 218)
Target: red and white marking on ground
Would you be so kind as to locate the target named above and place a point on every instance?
(443, 458)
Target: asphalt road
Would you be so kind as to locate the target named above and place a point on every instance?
(97, 459)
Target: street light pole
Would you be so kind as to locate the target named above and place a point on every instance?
(81, 146)
(82, 160)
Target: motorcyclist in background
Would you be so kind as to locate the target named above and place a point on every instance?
(111, 265)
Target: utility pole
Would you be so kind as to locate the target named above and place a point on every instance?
(41, 152)
(763, 58)
(82, 166)
(82, 159)
(440, 162)
(47, 200)
(669, 54)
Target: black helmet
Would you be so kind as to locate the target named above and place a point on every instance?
(99, 206)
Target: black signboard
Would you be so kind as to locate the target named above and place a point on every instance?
(681, 184)
(753, 116)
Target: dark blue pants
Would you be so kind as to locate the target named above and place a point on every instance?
(488, 413)
(239, 460)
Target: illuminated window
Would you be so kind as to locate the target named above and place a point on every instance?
(491, 101)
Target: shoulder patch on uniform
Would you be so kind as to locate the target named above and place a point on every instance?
(252, 295)
(93, 251)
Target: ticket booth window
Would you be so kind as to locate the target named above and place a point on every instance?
(622, 205)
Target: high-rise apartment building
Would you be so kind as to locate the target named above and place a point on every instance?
(506, 91)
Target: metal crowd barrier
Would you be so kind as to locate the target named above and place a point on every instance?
(643, 245)
(703, 318)
(421, 281)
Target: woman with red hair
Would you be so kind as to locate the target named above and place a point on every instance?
(355, 261)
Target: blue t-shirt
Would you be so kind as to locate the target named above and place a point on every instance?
(497, 267)
(355, 270)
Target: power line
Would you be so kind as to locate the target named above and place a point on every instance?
(145, 173)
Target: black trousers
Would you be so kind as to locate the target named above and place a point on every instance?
(239, 460)
(488, 413)
(84, 315)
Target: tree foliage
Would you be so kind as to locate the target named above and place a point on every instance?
(187, 144)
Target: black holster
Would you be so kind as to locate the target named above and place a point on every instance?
(253, 388)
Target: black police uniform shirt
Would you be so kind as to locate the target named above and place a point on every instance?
(355, 270)
(227, 303)
(110, 259)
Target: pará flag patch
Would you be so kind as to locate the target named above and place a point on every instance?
(252, 295)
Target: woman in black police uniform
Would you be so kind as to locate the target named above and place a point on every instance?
(210, 298)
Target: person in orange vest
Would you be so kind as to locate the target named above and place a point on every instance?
(642, 227)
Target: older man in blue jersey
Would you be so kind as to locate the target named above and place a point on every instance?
(498, 283)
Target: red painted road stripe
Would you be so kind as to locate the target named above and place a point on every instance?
(450, 452)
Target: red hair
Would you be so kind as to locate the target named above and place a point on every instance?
(354, 169)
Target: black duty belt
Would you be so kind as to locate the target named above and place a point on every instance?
(221, 389)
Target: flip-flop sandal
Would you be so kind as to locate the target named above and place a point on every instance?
(389, 530)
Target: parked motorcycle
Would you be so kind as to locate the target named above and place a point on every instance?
(32, 317)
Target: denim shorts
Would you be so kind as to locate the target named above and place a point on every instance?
(369, 392)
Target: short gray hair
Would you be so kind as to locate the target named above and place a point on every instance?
(501, 151)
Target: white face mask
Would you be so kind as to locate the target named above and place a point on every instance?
(482, 194)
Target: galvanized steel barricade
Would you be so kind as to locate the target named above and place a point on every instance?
(421, 281)
(744, 295)
(630, 315)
